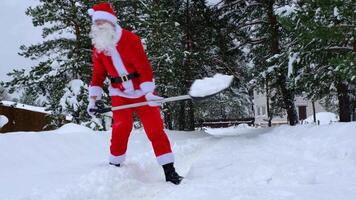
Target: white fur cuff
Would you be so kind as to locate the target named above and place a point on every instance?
(147, 87)
(117, 159)
(165, 158)
(95, 91)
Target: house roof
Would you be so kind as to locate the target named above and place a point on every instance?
(24, 106)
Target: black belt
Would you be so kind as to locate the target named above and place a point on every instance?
(124, 78)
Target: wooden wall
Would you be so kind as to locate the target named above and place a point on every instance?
(22, 120)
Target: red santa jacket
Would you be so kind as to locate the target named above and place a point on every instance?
(128, 57)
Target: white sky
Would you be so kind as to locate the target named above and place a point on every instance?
(16, 30)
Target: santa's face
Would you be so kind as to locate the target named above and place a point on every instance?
(99, 22)
(103, 35)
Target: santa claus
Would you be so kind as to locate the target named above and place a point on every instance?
(119, 55)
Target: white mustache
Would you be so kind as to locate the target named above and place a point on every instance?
(103, 37)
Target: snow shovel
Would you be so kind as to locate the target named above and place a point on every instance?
(201, 89)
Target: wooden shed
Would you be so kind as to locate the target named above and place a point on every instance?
(23, 117)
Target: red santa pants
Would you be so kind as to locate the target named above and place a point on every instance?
(153, 126)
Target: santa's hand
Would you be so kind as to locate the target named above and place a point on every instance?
(153, 100)
(91, 106)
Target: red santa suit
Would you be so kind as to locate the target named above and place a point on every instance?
(128, 57)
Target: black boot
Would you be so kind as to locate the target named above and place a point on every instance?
(116, 165)
(171, 174)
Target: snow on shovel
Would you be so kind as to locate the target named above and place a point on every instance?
(201, 89)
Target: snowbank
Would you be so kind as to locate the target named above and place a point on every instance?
(73, 128)
(231, 131)
(3, 120)
(286, 163)
(323, 117)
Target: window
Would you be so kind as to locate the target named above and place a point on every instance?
(258, 111)
(263, 110)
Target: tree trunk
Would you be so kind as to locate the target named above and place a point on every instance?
(314, 114)
(167, 117)
(269, 113)
(190, 111)
(344, 102)
(288, 96)
(181, 116)
(189, 107)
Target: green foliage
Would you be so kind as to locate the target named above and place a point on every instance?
(326, 44)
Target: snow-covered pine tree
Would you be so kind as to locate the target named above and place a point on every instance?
(64, 56)
(222, 57)
(193, 19)
(326, 44)
(132, 15)
(3, 92)
(260, 31)
(165, 51)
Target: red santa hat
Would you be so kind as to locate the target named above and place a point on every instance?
(103, 11)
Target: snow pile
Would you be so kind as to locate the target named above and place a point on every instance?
(323, 117)
(70, 97)
(3, 121)
(231, 131)
(73, 128)
(210, 86)
(24, 106)
(286, 163)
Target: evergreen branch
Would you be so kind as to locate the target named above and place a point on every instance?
(256, 41)
(335, 48)
(252, 23)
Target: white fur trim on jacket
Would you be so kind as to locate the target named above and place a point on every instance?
(95, 91)
(121, 69)
(165, 158)
(131, 95)
(147, 87)
(117, 159)
(104, 15)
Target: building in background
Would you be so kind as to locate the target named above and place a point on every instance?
(304, 108)
(22, 117)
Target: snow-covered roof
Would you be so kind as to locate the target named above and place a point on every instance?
(24, 106)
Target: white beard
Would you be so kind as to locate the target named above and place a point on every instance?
(103, 37)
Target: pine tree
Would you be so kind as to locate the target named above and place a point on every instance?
(64, 55)
(3, 92)
(261, 32)
(326, 44)
(222, 57)
(165, 51)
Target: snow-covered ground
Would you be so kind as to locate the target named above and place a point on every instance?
(323, 118)
(291, 163)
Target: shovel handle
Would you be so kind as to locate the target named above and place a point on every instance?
(170, 99)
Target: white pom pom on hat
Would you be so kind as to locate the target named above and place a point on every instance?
(91, 11)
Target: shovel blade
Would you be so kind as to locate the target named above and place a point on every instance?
(207, 87)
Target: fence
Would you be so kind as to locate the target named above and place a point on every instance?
(219, 123)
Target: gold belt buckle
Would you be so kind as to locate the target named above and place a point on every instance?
(124, 78)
